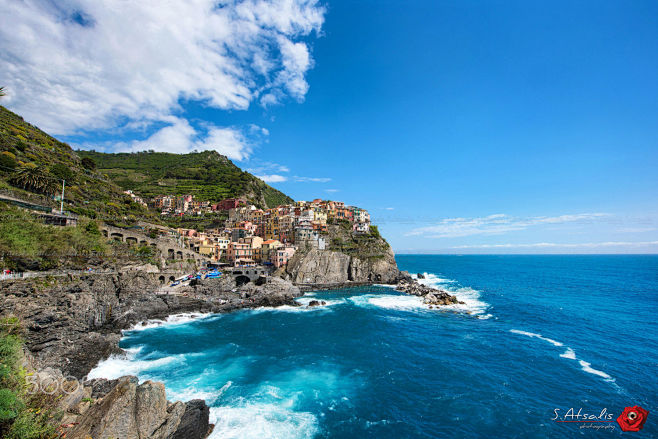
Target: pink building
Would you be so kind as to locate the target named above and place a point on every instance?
(281, 256)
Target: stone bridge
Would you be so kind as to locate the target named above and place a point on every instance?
(169, 248)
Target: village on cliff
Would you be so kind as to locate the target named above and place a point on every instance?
(253, 236)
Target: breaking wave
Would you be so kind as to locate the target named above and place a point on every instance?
(176, 319)
(568, 354)
(473, 303)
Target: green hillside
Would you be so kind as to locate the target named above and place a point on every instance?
(207, 175)
(33, 165)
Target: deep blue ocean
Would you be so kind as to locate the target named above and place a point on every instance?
(537, 333)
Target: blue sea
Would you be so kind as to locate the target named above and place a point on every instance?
(536, 334)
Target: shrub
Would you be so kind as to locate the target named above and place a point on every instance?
(7, 162)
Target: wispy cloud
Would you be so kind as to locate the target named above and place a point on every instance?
(636, 229)
(259, 167)
(312, 179)
(331, 191)
(541, 245)
(496, 224)
(273, 178)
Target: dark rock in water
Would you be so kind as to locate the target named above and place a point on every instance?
(431, 296)
(317, 303)
(420, 276)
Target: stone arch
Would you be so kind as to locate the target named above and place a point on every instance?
(131, 240)
(143, 242)
(117, 236)
(162, 279)
(179, 254)
(170, 253)
(105, 233)
(172, 278)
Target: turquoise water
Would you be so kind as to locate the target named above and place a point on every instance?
(537, 333)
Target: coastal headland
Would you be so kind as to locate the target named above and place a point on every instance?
(122, 249)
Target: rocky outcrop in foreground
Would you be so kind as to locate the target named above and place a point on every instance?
(121, 408)
(431, 296)
(70, 324)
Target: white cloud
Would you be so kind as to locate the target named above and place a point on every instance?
(180, 137)
(77, 65)
(331, 191)
(312, 179)
(273, 178)
(261, 167)
(495, 224)
(389, 208)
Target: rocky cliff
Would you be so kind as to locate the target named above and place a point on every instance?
(350, 257)
(327, 267)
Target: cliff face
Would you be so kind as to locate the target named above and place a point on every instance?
(350, 257)
(327, 267)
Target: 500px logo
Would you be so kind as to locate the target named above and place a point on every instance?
(631, 419)
(51, 385)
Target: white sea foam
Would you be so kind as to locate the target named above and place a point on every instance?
(539, 336)
(190, 392)
(303, 301)
(176, 319)
(568, 354)
(261, 421)
(389, 301)
(126, 364)
(473, 302)
(586, 367)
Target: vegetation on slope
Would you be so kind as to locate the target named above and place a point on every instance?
(34, 164)
(26, 243)
(22, 416)
(340, 237)
(207, 175)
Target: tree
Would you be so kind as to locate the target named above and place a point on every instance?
(62, 172)
(88, 163)
(36, 179)
(2, 92)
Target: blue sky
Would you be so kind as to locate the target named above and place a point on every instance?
(463, 127)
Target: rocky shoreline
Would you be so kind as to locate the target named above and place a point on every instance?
(73, 323)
